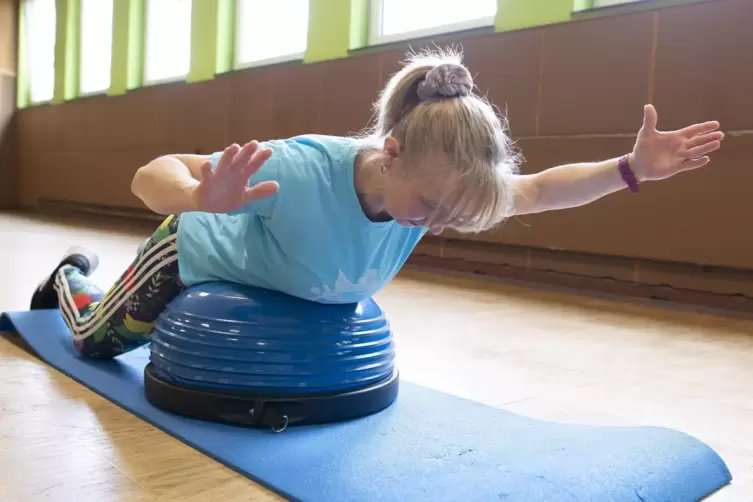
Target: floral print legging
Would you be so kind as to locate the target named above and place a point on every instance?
(109, 324)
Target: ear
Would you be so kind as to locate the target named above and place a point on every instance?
(391, 147)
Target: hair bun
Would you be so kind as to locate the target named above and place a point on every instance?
(448, 80)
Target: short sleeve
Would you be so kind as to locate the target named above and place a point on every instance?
(269, 172)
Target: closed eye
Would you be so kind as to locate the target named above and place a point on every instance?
(428, 204)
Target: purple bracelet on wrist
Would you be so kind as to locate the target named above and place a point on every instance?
(627, 174)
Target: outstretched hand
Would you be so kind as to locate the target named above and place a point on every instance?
(225, 188)
(658, 155)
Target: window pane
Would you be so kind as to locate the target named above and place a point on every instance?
(96, 45)
(39, 16)
(168, 39)
(401, 16)
(272, 29)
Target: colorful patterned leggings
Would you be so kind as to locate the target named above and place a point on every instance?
(109, 324)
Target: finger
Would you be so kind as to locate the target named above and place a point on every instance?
(206, 171)
(650, 118)
(702, 128)
(705, 149)
(260, 191)
(695, 163)
(227, 157)
(244, 155)
(257, 160)
(704, 138)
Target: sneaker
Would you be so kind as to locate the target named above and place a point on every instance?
(45, 297)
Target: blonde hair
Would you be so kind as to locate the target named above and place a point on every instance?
(430, 108)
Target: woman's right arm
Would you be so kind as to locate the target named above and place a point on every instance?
(173, 184)
(166, 184)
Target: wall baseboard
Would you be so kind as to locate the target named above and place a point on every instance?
(680, 284)
(59, 206)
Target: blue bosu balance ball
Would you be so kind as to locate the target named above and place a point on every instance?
(249, 356)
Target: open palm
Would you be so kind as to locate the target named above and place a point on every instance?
(658, 154)
(226, 188)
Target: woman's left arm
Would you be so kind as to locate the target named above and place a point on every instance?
(656, 155)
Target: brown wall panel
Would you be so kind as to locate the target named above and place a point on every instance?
(28, 131)
(704, 64)
(350, 86)
(83, 177)
(77, 128)
(63, 128)
(122, 122)
(194, 117)
(139, 113)
(390, 63)
(596, 75)
(297, 91)
(506, 70)
(250, 106)
(32, 183)
(87, 173)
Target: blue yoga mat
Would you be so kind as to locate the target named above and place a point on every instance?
(428, 446)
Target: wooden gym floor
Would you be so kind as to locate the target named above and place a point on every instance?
(548, 354)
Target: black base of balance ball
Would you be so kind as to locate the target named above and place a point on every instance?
(276, 411)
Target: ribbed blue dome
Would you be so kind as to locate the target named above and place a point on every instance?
(226, 336)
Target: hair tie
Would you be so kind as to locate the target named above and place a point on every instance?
(447, 80)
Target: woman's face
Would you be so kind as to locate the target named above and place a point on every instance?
(412, 201)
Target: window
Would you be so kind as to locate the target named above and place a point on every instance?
(95, 46)
(271, 31)
(39, 27)
(168, 40)
(392, 20)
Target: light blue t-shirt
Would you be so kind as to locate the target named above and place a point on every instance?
(311, 239)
